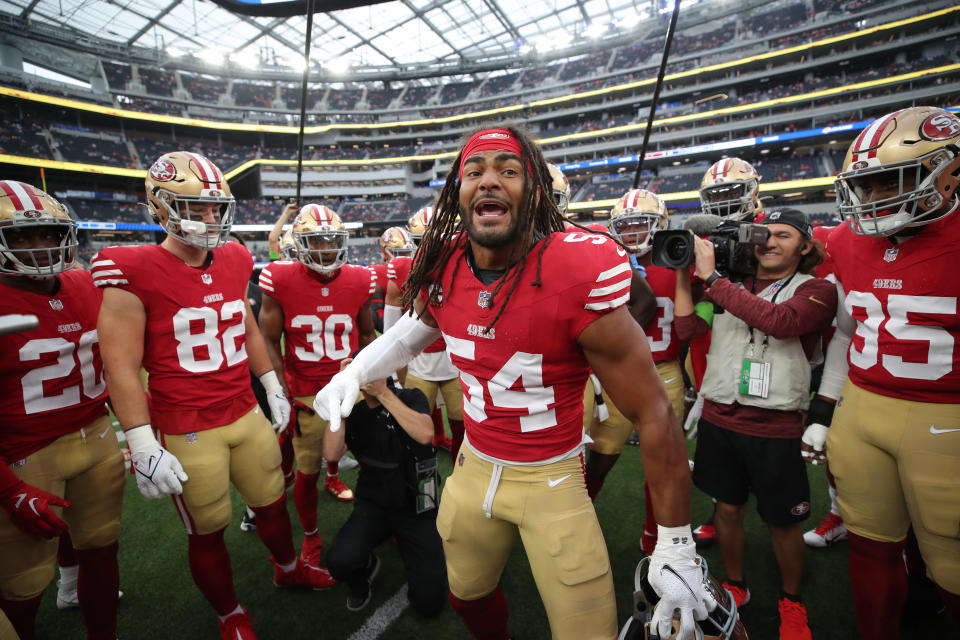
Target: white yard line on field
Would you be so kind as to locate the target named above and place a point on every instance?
(382, 617)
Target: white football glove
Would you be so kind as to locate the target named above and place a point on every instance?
(677, 577)
(815, 437)
(158, 471)
(335, 401)
(279, 405)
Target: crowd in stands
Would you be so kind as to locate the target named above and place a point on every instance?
(93, 150)
(248, 94)
(118, 75)
(204, 89)
(343, 99)
(107, 211)
(22, 137)
(157, 81)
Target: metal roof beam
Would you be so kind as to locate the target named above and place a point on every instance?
(26, 10)
(433, 28)
(152, 22)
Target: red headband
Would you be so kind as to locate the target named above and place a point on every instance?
(489, 139)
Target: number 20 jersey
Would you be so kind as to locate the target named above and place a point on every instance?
(523, 381)
(319, 319)
(904, 299)
(52, 376)
(195, 338)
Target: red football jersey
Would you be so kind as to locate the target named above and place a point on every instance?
(319, 319)
(195, 346)
(824, 269)
(660, 335)
(53, 375)
(397, 271)
(523, 382)
(904, 300)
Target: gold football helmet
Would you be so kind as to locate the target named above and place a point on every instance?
(417, 223)
(320, 238)
(723, 623)
(183, 188)
(288, 248)
(902, 171)
(396, 241)
(561, 188)
(37, 235)
(731, 189)
(636, 217)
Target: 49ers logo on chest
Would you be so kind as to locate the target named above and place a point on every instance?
(163, 171)
(940, 126)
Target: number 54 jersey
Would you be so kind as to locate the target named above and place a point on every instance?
(523, 380)
(52, 376)
(195, 338)
(903, 298)
(319, 319)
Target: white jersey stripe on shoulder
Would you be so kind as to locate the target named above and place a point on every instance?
(115, 281)
(265, 278)
(266, 287)
(100, 273)
(101, 263)
(623, 267)
(613, 288)
(607, 304)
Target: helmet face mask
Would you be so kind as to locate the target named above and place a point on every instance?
(37, 237)
(636, 217)
(902, 171)
(190, 199)
(561, 188)
(731, 189)
(320, 239)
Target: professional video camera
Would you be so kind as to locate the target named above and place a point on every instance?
(733, 244)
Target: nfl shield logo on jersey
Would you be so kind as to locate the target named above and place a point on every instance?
(206, 278)
(56, 305)
(485, 300)
(325, 291)
(890, 254)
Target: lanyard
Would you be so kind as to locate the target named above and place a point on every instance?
(780, 286)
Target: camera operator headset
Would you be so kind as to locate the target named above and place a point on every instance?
(756, 385)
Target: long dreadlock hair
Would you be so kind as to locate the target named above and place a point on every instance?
(537, 216)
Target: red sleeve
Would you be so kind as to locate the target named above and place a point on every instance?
(811, 309)
(690, 327)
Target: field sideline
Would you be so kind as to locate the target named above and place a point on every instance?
(160, 601)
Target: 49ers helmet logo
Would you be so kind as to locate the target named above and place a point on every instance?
(163, 171)
(32, 213)
(940, 126)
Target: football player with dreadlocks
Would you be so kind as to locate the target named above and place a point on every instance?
(486, 285)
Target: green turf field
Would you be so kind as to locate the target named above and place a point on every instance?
(161, 603)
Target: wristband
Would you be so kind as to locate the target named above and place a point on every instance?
(270, 382)
(712, 278)
(141, 438)
(820, 412)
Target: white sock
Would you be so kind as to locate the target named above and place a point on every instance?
(311, 533)
(287, 568)
(239, 609)
(833, 501)
(68, 577)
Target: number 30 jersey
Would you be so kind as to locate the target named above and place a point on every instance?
(319, 319)
(52, 376)
(523, 381)
(195, 339)
(903, 298)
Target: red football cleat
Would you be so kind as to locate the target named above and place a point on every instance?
(312, 550)
(793, 620)
(238, 626)
(337, 489)
(303, 575)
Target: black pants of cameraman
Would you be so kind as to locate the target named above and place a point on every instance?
(417, 539)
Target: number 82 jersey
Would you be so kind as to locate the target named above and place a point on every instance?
(195, 338)
(904, 299)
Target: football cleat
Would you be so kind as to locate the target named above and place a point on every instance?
(335, 487)
(238, 626)
(740, 595)
(249, 520)
(705, 535)
(829, 530)
(312, 550)
(302, 575)
(793, 620)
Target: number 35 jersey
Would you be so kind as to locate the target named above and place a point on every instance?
(903, 298)
(523, 381)
(195, 339)
(52, 376)
(319, 319)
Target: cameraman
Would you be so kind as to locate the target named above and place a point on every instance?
(390, 433)
(756, 385)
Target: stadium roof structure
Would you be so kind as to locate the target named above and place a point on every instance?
(396, 35)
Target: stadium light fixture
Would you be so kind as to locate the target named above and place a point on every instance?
(175, 52)
(595, 30)
(213, 56)
(630, 20)
(337, 65)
